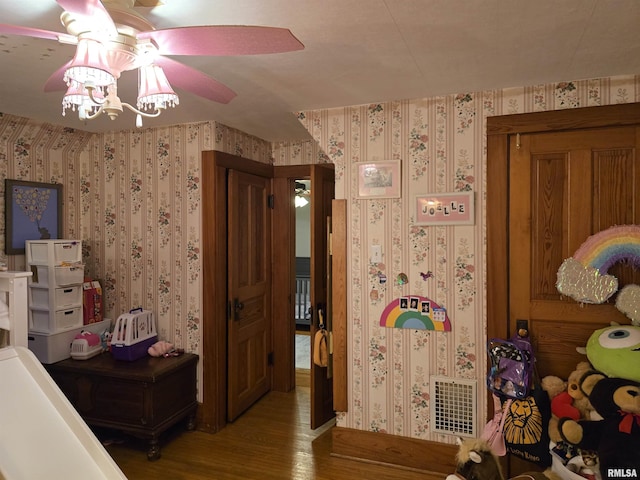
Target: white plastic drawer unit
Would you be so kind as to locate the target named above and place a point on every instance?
(55, 299)
(58, 276)
(53, 252)
(45, 321)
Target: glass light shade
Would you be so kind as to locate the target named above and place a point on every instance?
(89, 64)
(154, 90)
(78, 95)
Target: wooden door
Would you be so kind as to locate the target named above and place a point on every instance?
(322, 193)
(566, 186)
(249, 287)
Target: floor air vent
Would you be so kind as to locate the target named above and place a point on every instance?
(453, 406)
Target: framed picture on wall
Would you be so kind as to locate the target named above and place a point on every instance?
(33, 211)
(379, 179)
(444, 209)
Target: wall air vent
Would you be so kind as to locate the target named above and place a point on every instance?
(453, 406)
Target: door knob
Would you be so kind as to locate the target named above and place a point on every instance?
(237, 306)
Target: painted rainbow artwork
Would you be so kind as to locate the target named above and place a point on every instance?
(603, 249)
(416, 313)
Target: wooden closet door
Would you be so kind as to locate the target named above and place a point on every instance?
(564, 187)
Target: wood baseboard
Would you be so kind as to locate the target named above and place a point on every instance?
(434, 459)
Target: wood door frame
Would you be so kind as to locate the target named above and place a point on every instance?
(212, 411)
(499, 132)
(284, 273)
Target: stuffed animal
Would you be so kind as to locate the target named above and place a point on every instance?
(616, 438)
(160, 348)
(615, 351)
(554, 386)
(579, 401)
(570, 402)
(476, 461)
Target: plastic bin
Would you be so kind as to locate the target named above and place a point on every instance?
(53, 252)
(46, 322)
(58, 276)
(55, 347)
(55, 299)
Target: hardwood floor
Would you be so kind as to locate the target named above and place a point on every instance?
(270, 441)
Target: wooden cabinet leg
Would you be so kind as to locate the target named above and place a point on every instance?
(153, 453)
(191, 422)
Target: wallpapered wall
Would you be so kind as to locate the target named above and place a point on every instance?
(441, 144)
(133, 197)
(141, 218)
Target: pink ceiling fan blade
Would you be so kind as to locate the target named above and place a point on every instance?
(223, 40)
(194, 81)
(55, 82)
(91, 9)
(28, 32)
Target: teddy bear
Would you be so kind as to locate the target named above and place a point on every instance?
(554, 386)
(573, 403)
(568, 401)
(615, 438)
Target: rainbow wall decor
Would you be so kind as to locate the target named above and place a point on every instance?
(610, 246)
(416, 313)
(584, 277)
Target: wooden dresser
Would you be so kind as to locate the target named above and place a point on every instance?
(142, 398)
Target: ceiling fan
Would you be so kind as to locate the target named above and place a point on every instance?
(111, 38)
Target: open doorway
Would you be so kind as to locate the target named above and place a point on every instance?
(302, 296)
(219, 309)
(302, 304)
(321, 191)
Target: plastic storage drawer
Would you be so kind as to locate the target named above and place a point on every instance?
(53, 252)
(59, 276)
(55, 299)
(43, 321)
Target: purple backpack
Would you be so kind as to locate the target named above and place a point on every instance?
(511, 367)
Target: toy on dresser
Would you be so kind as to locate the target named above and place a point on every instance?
(133, 334)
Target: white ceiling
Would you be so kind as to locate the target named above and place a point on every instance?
(356, 52)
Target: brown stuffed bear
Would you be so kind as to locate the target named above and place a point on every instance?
(570, 402)
(580, 401)
(615, 438)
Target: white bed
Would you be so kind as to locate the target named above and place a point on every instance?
(41, 434)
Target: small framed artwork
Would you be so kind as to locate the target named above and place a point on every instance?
(33, 211)
(379, 179)
(445, 209)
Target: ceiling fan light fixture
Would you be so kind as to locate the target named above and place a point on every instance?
(90, 64)
(112, 38)
(77, 96)
(154, 90)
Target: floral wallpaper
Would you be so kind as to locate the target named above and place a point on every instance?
(133, 197)
(141, 219)
(46, 153)
(441, 144)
